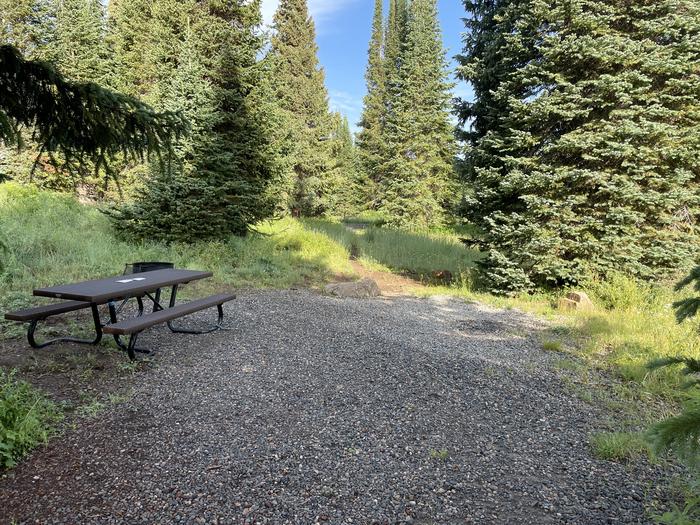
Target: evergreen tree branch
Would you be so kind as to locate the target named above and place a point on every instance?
(79, 121)
(687, 308)
(680, 434)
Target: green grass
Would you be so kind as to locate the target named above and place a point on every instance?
(441, 454)
(552, 345)
(367, 218)
(418, 254)
(27, 418)
(52, 239)
(91, 409)
(620, 446)
(688, 514)
(635, 324)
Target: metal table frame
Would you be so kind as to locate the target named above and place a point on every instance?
(115, 306)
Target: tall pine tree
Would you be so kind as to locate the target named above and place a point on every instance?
(221, 180)
(370, 139)
(300, 89)
(595, 140)
(350, 194)
(395, 41)
(417, 172)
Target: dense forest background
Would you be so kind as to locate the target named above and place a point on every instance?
(578, 156)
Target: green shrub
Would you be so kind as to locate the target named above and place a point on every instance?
(689, 514)
(27, 418)
(621, 292)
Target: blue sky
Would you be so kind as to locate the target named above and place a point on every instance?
(343, 28)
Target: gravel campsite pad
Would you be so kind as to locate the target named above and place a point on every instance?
(316, 409)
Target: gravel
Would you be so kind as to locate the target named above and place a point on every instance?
(321, 410)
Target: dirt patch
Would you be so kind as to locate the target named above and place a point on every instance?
(71, 374)
(390, 284)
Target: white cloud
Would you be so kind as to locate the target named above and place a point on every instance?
(321, 10)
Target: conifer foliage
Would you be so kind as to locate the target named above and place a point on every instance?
(28, 25)
(584, 147)
(370, 138)
(79, 48)
(299, 84)
(219, 180)
(81, 121)
(407, 141)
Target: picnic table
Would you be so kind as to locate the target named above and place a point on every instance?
(115, 292)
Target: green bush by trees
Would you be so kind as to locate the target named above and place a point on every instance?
(217, 183)
(583, 141)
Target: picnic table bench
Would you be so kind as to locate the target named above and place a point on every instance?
(120, 289)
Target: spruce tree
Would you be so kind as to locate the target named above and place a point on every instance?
(396, 31)
(222, 176)
(28, 25)
(78, 48)
(417, 173)
(130, 39)
(597, 149)
(349, 194)
(492, 53)
(301, 92)
(370, 140)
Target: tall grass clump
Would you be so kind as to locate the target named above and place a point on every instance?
(635, 323)
(418, 254)
(27, 418)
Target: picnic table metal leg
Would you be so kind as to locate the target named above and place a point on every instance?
(173, 295)
(127, 347)
(31, 331)
(131, 348)
(213, 328)
(156, 301)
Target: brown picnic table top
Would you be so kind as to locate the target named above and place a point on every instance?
(118, 287)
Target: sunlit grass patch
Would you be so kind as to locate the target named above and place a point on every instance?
(620, 446)
(552, 345)
(421, 255)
